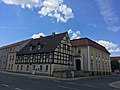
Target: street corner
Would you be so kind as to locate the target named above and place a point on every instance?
(115, 84)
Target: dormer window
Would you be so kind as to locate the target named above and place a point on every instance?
(39, 46)
(31, 47)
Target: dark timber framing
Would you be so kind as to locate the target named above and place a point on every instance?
(62, 56)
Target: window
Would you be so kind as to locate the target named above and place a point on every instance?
(39, 46)
(33, 67)
(40, 67)
(58, 48)
(10, 57)
(46, 67)
(64, 46)
(79, 50)
(17, 67)
(31, 47)
(9, 67)
(69, 48)
(21, 67)
(91, 52)
(12, 67)
(27, 68)
(13, 57)
(97, 54)
(92, 66)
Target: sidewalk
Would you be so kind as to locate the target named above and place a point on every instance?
(44, 77)
(115, 84)
(27, 75)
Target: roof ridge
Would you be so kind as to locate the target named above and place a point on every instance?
(15, 43)
(50, 35)
(87, 41)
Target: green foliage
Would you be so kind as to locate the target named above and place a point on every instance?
(115, 65)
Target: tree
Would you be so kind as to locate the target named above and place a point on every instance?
(115, 65)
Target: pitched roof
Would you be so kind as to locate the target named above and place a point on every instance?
(49, 44)
(15, 44)
(115, 58)
(87, 42)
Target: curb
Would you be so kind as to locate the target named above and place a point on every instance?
(46, 77)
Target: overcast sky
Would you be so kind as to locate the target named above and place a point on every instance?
(98, 20)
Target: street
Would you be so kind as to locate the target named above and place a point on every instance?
(17, 82)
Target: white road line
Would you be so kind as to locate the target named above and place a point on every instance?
(5, 85)
(11, 78)
(56, 81)
(91, 86)
(18, 89)
(33, 81)
(65, 87)
(74, 83)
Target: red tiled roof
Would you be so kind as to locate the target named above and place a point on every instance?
(87, 42)
(15, 44)
(115, 58)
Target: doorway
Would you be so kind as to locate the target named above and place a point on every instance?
(78, 64)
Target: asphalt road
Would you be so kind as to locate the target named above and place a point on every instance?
(17, 82)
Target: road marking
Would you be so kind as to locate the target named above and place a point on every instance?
(73, 83)
(56, 81)
(12, 78)
(33, 81)
(18, 89)
(91, 86)
(65, 87)
(5, 85)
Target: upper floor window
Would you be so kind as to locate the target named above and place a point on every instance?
(13, 57)
(64, 46)
(97, 54)
(10, 57)
(79, 50)
(91, 52)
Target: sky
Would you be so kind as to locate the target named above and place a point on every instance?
(98, 20)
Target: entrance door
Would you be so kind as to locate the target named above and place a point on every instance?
(78, 64)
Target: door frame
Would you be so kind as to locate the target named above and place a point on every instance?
(81, 59)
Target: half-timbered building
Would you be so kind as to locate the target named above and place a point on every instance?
(45, 55)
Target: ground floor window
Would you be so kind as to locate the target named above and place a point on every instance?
(21, 67)
(27, 68)
(33, 67)
(40, 67)
(9, 67)
(12, 67)
(46, 67)
(17, 67)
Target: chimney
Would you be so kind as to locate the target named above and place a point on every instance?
(53, 34)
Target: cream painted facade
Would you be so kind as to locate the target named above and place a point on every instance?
(11, 66)
(93, 60)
